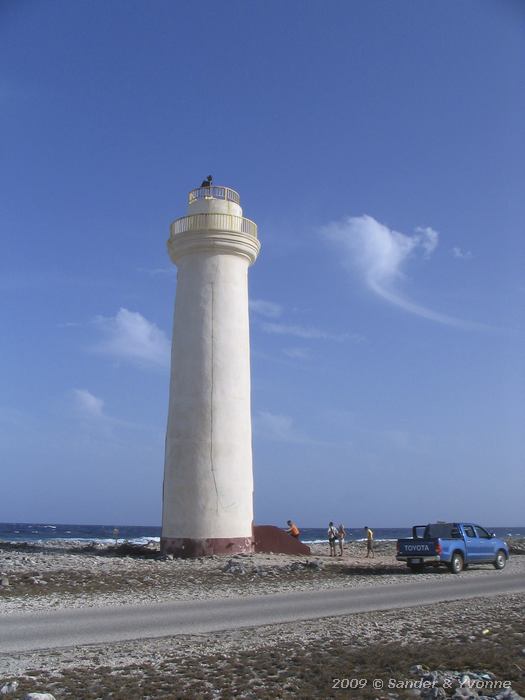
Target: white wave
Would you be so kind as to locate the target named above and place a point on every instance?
(75, 540)
(98, 540)
(313, 541)
(82, 541)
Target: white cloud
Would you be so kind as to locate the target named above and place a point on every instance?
(379, 254)
(461, 254)
(300, 331)
(427, 238)
(130, 336)
(266, 308)
(377, 251)
(88, 403)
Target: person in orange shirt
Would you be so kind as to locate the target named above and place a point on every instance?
(293, 530)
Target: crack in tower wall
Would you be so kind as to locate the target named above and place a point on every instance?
(212, 398)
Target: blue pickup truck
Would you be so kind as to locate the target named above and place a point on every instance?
(455, 544)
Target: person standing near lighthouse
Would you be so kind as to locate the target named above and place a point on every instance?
(369, 534)
(208, 480)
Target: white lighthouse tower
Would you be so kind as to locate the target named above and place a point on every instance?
(208, 479)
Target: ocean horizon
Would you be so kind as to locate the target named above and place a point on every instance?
(142, 534)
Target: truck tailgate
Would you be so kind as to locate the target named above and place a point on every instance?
(417, 548)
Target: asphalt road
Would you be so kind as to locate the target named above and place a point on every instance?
(61, 628)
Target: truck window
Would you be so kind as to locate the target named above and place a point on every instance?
(443, 530)
(469, 531)
(482, 533)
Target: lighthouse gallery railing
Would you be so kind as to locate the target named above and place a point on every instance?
(214, 192)
(215, 222)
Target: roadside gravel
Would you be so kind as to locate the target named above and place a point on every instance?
(297, 660)
(51, 577)
(289, 661)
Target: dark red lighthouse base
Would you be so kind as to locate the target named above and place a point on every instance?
(271, 539)
(266, 538)
(191, 548)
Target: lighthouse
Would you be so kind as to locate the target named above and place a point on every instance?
(208, 475)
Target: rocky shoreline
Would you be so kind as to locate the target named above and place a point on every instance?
(439, 645)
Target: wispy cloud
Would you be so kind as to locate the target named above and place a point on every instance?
(379, 254)
(158, 271)
(130, 336)
(461, 254)
(278, 427)
(91, 409)
(297, 353)
(88, 404)
(269, 309)
(301, 331)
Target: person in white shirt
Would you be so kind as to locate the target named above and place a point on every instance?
(341, 534)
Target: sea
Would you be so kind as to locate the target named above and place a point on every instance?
(142, 534)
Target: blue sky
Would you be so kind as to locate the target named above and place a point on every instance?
(379, 146)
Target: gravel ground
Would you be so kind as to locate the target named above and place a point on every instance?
(50, 577)
(312, 659)
(300, 660)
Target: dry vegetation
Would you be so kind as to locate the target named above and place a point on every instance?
(297, 660)
(294, 661)
(286, 671)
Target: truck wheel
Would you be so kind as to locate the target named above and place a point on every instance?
(456, 563)
(501, 559)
